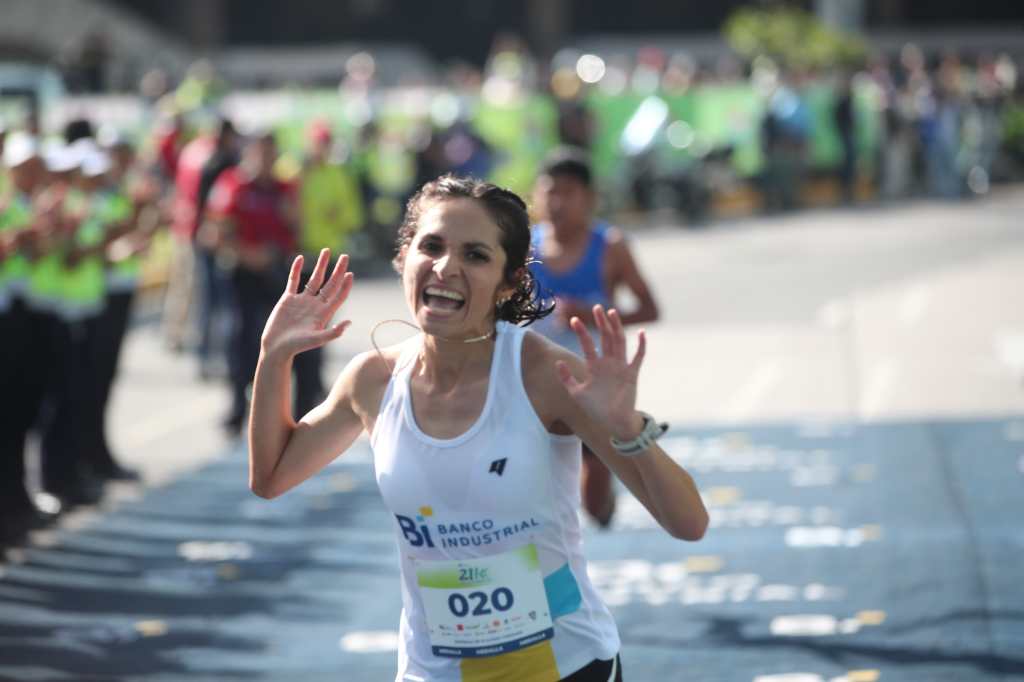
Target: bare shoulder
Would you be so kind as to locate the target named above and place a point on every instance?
(618, 244)
(373, 368)
(364, 379)
(614, 236)
(539, 358)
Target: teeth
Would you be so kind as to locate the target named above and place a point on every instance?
(444, 293)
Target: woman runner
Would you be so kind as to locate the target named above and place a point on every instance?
(476, 428)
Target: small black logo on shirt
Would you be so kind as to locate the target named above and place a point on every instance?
(498, 466)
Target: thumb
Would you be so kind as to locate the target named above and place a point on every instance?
(568, 380)
(333, 332)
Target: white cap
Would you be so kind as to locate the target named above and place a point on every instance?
(59, 157)
(84, 146)
(96, 162)
(19, 147)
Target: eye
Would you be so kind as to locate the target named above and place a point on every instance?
(477, 256)
(431, 246)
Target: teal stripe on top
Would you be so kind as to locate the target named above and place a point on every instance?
(563, 592)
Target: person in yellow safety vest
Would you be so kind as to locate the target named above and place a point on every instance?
(22, 364)
(73, 467)
(331, 209)
(125, 238)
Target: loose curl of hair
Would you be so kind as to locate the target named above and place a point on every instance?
(526, 304)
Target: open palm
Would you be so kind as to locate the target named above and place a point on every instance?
(607, 393)
(302, 320)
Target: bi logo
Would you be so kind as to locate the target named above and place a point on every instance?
(416, 532)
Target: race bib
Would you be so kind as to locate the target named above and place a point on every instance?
(484, 607)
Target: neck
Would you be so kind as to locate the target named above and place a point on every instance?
(569, 235)
(447, 362)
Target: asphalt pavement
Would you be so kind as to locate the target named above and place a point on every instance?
(845, 387)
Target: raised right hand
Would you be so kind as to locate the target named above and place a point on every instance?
(302, 321)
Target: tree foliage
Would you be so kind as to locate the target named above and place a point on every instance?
(791, 36)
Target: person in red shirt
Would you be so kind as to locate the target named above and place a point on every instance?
(252, 222)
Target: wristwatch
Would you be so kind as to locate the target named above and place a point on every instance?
(651, 432)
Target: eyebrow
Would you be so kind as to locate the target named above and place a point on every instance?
(467, 245)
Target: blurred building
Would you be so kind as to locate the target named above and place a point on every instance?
(465, 29)
(104, 45)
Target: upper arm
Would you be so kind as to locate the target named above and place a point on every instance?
(331, 427)
(546, 393)
(623, 270)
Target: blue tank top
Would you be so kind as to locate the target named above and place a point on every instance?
(583, 283)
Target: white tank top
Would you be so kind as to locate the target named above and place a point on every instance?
(494, 582)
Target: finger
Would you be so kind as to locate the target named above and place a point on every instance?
(335, 281)
(340, 297)
(618, 333)
(586, 343)
(316, 280)
(605, 327)
(641, 350)
(293, 276)
(568, 380)
(332, 332)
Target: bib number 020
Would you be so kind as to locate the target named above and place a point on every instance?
(501, 599)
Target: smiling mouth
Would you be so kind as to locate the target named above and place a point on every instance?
(436, 298)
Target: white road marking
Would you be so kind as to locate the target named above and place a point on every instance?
(778, 593)
(803, 625)
(746, 399)
(823, 536)
(370, 641)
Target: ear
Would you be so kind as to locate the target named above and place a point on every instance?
(506, 291)
(398, 262)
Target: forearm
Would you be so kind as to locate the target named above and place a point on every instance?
(655, 479)
(645, 313)
(664, 488)
(646, 309)
(672, 495)
(270, 422)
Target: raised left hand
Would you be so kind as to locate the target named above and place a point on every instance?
(607, 391)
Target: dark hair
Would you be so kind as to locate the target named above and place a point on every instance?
(77, 129)
(568, 161)
(225, 129)
(509, 213)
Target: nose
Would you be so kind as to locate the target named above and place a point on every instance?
(442, 265)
